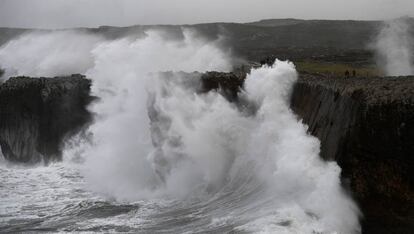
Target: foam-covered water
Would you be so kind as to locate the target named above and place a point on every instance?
(161, 157)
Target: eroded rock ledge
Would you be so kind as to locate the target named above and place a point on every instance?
(367, 126)
(36, 114)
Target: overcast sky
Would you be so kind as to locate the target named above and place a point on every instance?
(92, 13)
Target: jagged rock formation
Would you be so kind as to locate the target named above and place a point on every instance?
(36, 114)
(367, 126)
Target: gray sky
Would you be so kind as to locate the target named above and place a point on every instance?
(92, 13)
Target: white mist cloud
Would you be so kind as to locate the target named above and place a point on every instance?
(395, 47)
(48, 54)
(122, 77)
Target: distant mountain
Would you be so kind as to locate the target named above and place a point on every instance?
(275, 22)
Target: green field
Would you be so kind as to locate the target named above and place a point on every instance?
(337, 69)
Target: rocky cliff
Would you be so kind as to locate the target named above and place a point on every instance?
(367, 126)
(36, 114)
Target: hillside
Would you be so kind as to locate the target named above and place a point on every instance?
(287, 37)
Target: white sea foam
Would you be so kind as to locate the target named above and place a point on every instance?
(155, 137)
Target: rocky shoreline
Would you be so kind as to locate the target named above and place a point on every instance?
(365, 124)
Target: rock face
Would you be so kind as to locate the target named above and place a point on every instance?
(367, 126)
(36, 114)
(229, 83)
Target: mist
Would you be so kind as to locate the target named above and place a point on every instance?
(58, 53)
(395, 48)
(154, 137)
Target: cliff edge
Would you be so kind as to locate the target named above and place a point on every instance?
(36, 114)
(367, 126)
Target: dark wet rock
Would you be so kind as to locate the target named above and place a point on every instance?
(36, 114)
(229, 84)
(367, 126)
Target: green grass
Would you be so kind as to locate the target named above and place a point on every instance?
(336, 69)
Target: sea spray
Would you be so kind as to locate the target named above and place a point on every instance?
(181, 145)
(394, 47)
(215, 165)
(122, 79)
(48, 53)
(297, 174)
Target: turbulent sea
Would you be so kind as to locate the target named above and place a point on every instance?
(55, 198)
(161, 157)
